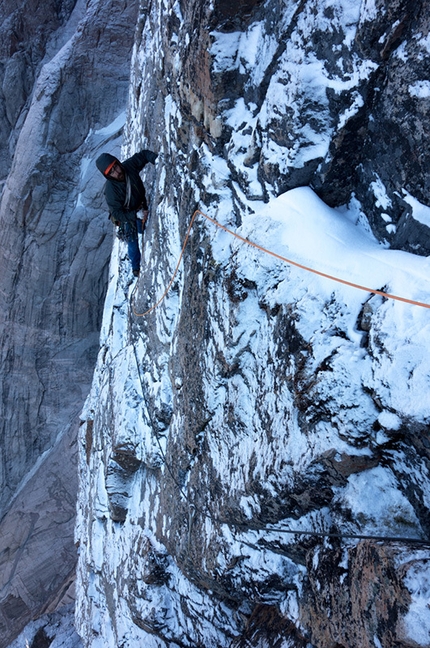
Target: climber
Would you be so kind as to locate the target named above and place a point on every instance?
(125, 196)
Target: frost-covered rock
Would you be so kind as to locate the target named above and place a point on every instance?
(63, 92)
(275, 485)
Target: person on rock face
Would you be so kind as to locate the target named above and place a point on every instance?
(125, 196)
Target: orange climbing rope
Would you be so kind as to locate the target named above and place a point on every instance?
(187, 235)
(276, 256)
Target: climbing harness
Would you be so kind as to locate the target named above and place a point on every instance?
(276, 256)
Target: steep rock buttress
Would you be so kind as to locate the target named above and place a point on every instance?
(64, 75)
(256, 402)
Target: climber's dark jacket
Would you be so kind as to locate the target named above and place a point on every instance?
(115, 190)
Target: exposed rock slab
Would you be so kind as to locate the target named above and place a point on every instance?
(64, 79)
(37, 550)
(235, 399)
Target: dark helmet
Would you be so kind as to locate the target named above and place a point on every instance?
(105, 162)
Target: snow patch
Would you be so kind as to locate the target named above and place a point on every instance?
(389, 421)
(417, 620)
(420, 89)
(424, 42)
(420, 212)
(368, 11)
(382, 199)
(113, 128)
(357, 103)
(374, 499)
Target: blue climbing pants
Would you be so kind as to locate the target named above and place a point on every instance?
(133, 244)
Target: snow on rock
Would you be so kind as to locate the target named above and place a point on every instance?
(260, 411)
(55, 630)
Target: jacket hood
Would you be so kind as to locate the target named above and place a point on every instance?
(104, 161)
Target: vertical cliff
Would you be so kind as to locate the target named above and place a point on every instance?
(64, 75)
(254, 452)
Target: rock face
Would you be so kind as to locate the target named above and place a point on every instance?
(240, 436)
(64, 75)
(38, 556)
(254, 453)
(53, 629)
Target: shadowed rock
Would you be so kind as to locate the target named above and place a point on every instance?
(64, 88)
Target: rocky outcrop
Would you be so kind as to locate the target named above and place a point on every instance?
(64, 76)
(383, 145)
(238, 435)
(253, 418)
(365, 586)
